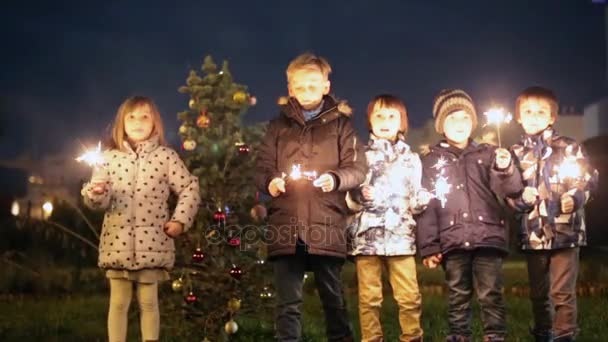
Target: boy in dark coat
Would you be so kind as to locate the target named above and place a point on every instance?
(463, 229)
(307, 214)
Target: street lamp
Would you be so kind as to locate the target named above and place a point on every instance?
(47, 209)
(15, 208)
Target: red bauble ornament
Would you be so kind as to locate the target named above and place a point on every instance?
(244, 149)
(198, 256)
(190, 298)
(236, 272)
(234, 242)
(219, 216)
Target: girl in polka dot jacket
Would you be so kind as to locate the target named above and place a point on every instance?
(132, 186)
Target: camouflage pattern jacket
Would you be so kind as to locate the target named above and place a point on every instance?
(554, 165)
(385, 226)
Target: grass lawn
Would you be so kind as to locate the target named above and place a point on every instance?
(83, 318)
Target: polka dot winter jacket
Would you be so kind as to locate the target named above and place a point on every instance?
(138, 185)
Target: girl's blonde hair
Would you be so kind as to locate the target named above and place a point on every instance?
(128, 106)
(388, 101)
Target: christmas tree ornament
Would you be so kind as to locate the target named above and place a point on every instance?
(203, 120)
(231, 327)
(234, 242)
(243, 149)
(258, 213)
(189, 145)
(215, 148)
(183, 129)
(236, 272)
(177, 285)
(219, 217)
(192, 104)
(234, 305)
(198, 256)
(239, 97)
(190, 298)
(253, 100)
(266, 293)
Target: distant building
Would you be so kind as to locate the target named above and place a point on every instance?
(51, 179)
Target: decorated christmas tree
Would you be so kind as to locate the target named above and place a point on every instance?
(220, 273)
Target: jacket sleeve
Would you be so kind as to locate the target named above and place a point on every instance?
(427, 230)
(266, 163)
(416, 186)
(353, 164)
(93, 200)
(427, 223)
(517, 202)
(185, 185)
(508, 182)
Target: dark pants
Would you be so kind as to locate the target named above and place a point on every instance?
(552, 276)
(481, 270)
(289, 277)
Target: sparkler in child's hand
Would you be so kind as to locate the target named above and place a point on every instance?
(497, 116)
(94, 158)
(568, 169)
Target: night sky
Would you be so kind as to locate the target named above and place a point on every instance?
(66, 66)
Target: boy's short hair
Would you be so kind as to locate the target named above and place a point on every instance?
(537, 93)
(308, 60)
(388, 101)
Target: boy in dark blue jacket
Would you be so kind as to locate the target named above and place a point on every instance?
(463, 229)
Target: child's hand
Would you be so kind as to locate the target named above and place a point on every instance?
(98, 188)
(567, 204)
(326, 182)
(424, 197)
(432, 261)
(276, 187)
(503, 158)
(173, 228)
(368, 193)
(530, 195)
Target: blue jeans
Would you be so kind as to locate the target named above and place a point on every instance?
(480, 269)
(289, 277)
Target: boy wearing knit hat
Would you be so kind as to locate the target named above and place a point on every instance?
(551, 213)
(463, 228)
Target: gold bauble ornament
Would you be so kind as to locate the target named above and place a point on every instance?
(231, 327)
(234, 305)
(239, 97)
(177, 285)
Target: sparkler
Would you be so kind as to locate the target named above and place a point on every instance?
(297, 173)
(92, 157)
(569, 168)
(497, 116)
(442, 186)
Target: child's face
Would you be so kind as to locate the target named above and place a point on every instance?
(535, 115)
(385, 122)
(139, 124)
(308, 87)
(458, 126)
